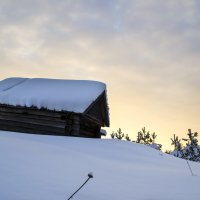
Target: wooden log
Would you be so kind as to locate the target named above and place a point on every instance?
(30, 116)
(93, 131)
(92, 120)
(32, 111)
(38, 127)
(90, 127)
(75, 125)
(28, 130)
(86, 133)
(68, 130)
(32, 120)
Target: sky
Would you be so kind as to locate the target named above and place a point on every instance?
(147, 52)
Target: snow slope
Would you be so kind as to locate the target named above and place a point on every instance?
(36, 167)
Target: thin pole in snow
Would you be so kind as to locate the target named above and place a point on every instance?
(90, 175)
(189, 167)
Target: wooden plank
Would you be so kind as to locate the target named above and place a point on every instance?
(29, 116)
(33, 126)
(68, 130)
(92, 120)
(99, 110)
(89, 125)
(75, 125)
(32, 120)
(27, 130)
(88, 134)
(32, 111)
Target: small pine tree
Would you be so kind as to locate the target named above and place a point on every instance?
(153, 135)
(177, 146)
(112, 135)
(119, 134)
(144, 137)
(168, 152)
(192, 149)
(127, 137)
(192, 138)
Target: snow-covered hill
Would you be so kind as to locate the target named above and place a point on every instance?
(36, 167)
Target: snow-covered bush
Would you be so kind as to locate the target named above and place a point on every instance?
(191, 151)
(156, 146)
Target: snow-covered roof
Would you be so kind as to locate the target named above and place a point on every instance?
(52, 94)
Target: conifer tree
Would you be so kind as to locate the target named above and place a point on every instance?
(127, 137)
(144, 137)
(192, 149)
(177, 146)
(119, 134)
(112, 135)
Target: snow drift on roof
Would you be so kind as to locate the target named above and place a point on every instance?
(10, 82)
(52, 94)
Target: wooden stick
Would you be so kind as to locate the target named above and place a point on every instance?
(89, 177)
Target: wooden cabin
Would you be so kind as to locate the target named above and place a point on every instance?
(53, 107)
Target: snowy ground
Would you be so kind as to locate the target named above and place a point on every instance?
(35, 167)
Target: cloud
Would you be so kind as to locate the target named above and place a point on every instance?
(152, 39)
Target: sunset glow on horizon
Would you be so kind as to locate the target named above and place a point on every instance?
(147, 52)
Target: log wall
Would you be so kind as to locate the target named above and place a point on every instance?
(35, 121)
(32, 121)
